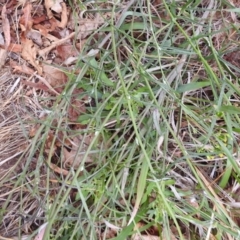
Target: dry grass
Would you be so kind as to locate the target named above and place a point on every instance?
(21, 179)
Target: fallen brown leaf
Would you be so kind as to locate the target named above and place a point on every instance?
(21, 68)
(43, 85)
(64, 16)
(44, 81)
(52, 38)
(36, 85)
(76, 155)
(11, 4)
(63, 140)
(35, 36)
(66, 50)
(55, 77)
(33, 130)
(77, 106)
(53, 5)
(29, 53)
(6, 27)
(47, 26)
(50, 146)
(156, 3)
(56, 6)
(73, 58)
(39, 19)
(26, 19)
(13, 47)
(59, 170)
(87, 26)
(1, 39)
(3, 56)
(42, 29)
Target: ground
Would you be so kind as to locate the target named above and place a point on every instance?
(119, 119)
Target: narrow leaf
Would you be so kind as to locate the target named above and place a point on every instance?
(192, 86)
(103, 77)
(229, 109)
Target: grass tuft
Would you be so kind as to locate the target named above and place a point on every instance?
(153, 150)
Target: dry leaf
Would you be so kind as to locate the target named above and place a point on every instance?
(66, 50)
(46, 26)
(41, 86)
(22, 2)
(39, 19)
(6, 27)
(52, 38)
(53, 5)
(64, 17)
(29, 53)
(78, 151)
(57, 6)
(59, 170)
(55, 77)
(46, 83)
(77, 106)
(35, 36)
(21, 68)
(13, 47)
(50, 145)
(87, 26)
(26, 21)
(156, 3)
(33, 130)
(42, 29)
(3, 56)
(63, 139)
(11, 4)
(70, 60)
(1, 39)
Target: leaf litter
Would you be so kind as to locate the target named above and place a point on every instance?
(31, 43)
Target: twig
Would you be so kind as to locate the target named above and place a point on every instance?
(47, 84)
(42, 52)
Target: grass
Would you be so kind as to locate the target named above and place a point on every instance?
(157, 150)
